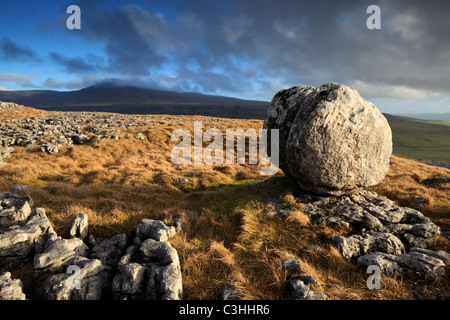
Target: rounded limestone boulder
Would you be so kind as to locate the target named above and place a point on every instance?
(331, 140)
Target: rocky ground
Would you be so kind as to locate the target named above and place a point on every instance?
(380, 233)
(145, 265)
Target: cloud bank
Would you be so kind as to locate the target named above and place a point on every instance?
(255, 47)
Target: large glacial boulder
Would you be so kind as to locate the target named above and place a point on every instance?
(331, 140)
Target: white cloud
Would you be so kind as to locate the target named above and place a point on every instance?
(369, 90)
(82, 82)
(2, 88)
(18, 78)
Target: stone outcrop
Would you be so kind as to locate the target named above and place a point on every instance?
(9, 106)
(154, 229)
(150, 269)
(392, 237)
(300, 286)
(330, 139)
(10, 289)
(94, 282)
(80, 227)
(109, 251)
(19, 243)
(14, 209)
(84, 268)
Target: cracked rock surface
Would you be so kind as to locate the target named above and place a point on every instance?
(392, 237)
(84, 268)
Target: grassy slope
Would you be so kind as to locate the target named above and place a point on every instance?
(419, 139)
(226, 238)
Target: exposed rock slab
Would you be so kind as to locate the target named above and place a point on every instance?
(20, 243)
(94, 282)
(154, 229)
(150, 271)
(389, 236)
(14, 209)
(10, 289)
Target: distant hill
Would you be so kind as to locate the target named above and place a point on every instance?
(412, 138)
(106, 97)
(418, 139)
(428, 116)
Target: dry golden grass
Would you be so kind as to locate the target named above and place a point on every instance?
(226, 238)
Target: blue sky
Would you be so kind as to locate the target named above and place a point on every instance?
(242, 48)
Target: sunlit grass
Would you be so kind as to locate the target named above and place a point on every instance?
(226, 239)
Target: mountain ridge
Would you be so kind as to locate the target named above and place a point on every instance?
(127, 99)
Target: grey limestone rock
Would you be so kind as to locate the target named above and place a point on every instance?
(417, 260)
(49, 148)
(297, 289)
(154, 229)
(58, 255)
(93, 277)
(331, 140)
(10, 289)
(14, 209)
(21, 242)
(150, 270)
(109, 251)
(80, 227)
(356, 245)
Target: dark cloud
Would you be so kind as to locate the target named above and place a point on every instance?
(252, 45)
(128, 50)
(14, 52)
(76, 65)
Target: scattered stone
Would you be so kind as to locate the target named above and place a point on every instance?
(150, 271)
(306, 279)
(93, 278)
(385, 227)
(58, 255)
(296, 289)
(20, 243)
(139, 136)
(357, 245)
(326, 138)
(14, 209)
(80, 227)
(10, 289)
(80, 138)
(183, 181)
(5, 153)
(415, 261)
(49, 148)
(94, 140)
(228, 293)
(178, 224)
(442, 255)
(9, 106)
(292, 264)
(154, 229)
(109, 251)
(435, 182)
(282, 213)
